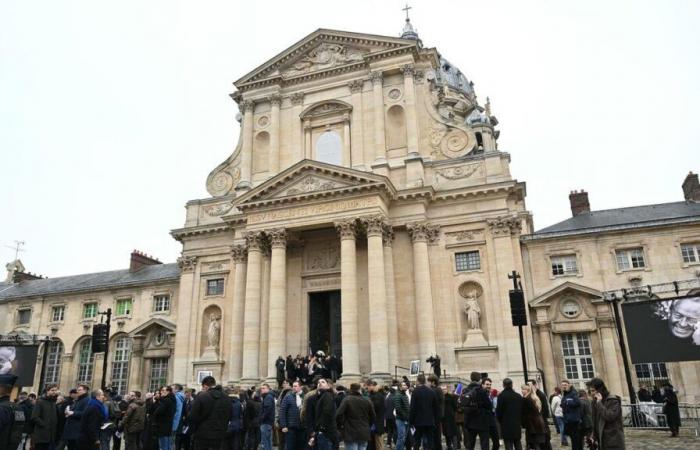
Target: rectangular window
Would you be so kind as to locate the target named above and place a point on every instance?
(159, 374)
(564, 265)
(467, 261)
(652, 374)
(86, 359)
(58, 313)
(24, 316)
(89, 310)
(161, 303)
(120, 365)
(578, 359)
(124, 307)
(632, 258)
(53, 363)
(215, 286)
(690, 253)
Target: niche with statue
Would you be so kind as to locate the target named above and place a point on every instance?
(211, 333)
(472, 294)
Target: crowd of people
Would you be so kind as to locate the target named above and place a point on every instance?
(320, 413)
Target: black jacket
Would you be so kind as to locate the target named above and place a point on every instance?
(545, 404)
(425, 409)
(324, 415)
(162, 418)
(210, 414)
(509, 412)
(377, 399)
(45, 421)
(90, 422)
(449, 424)
(479, 420)
(355, 416)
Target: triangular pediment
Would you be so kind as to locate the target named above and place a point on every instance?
(545, 299)
(324, 50)
(310, 179)
(155, 322)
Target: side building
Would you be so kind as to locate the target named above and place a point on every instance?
(143, 300)
(569, 265)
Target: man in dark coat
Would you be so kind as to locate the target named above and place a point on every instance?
(449, 424)
(434, 380)
(402, 409)
(545, 414)
(280, 366)
(656, 395)
(643, 394)
(91, 419)
(509, 411)
(376, 396)
(571, 407)
(290, 418)
(134, 420)
(267, 416)
(355, 417)
(389, 418)
(235, 425)
(608, 432)
(45, 420)
(209, 416)
(162, 418)
(71, 430)
(323, 416)
(671, 410)
(424, 413)
(477, 407)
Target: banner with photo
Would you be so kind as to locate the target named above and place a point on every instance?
(665, 330)
(19, 360)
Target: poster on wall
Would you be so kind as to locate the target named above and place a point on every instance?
(19, 361)
(665, 330)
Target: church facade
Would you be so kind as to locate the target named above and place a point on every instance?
(366, 168)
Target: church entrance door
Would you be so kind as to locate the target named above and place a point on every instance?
(324, 323)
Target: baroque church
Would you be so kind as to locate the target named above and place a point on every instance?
(366, 211)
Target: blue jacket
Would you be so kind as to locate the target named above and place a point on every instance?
(179, 402)
(71, 430)
(235, 424)
(289, 412)
(267, 412)
(571, 406)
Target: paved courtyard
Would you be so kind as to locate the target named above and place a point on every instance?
(653, 440)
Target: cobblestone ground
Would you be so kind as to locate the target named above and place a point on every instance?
(653, 440)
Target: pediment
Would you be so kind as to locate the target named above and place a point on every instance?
(546, 298)
(310, 179)
(155, 322)
(323, 50)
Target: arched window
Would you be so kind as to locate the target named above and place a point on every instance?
(329, 148)
(261, 152)
(52, 373)
(86, 360)
(395, 127)
(120, 364)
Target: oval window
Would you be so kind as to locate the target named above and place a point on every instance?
(570, 308)
(329, 148)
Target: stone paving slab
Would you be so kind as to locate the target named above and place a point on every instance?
(652, 440)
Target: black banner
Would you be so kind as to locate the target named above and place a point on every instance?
(19, 360)
(663, 330)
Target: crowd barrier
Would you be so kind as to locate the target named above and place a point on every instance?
(649, 415)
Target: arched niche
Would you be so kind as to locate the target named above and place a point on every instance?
(326, 127)
(261, 152)
(210, 313)
(329, 147)
(395, 128)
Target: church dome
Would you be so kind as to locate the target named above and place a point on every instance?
(451, 76)
(408, 31)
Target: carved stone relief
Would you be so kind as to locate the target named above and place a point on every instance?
(218, 210)
(465, 235)
(311, 184)
(323, 57)
(323, 256)
(458, 172)
(504, 226)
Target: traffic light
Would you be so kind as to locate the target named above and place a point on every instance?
(517, 308)
(99, 337)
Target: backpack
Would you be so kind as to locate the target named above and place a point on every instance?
(468, 404)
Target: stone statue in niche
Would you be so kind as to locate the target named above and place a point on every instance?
(213, 331)
(472, 310)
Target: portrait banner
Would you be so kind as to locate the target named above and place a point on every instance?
(19, 360)
(665, 330)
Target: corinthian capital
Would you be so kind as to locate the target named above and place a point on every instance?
(275, 99)
(255, 241)
(377, 77)
(246, 106)
(187, 263)
(297, 98)
(408, 70)
(423, 232)
(278, 237)
(374, 225)
(356, 86)
(347, 228)
(239, 253)
(504, 226)
(388, 236)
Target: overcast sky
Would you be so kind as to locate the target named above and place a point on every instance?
(112, 114)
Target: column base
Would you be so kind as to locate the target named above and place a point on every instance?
(348, 378)
(383, 378)
(248, 382)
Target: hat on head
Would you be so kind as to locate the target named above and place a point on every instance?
(8, 379)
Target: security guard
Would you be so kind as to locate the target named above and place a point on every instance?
(12, 418)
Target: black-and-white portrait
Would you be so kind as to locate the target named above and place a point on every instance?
(663, 331)
(19, 360)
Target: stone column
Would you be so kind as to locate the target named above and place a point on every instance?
(421, 233)
(308, 154)
(275, 101)
(409, 96)
(378, 100)
(547, 354)
(240, 257)
(247, 106)
(186, 305)
(348, 300)
(297, 100)
(346, 140)
(136, 372)
(277, 325)
(376, 281)
(613, 366)
(392, 318)
(251, 329)
(357, 153)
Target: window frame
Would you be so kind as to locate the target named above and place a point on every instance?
(214, 294)
(118, 302)
(120, 363)
(54, 359)
(580, 353)
(86, 362)
(652, 374)
(85, 307)
(467, 267)
(626, 254)
(20, 311)
(695, 253)
(155, 303)
(55, 308)
(158, 376)
(563, 259)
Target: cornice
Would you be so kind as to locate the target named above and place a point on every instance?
(181, 234)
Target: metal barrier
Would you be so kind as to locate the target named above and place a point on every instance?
(649, 415)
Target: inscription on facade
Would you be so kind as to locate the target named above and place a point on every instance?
(311, 210)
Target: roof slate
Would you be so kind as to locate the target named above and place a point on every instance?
(636, 216)
(89, 281)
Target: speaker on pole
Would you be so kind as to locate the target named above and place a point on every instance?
(517, 308)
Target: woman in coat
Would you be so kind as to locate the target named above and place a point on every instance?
(670, 409)
(533, 422)
(607, 418)
(94, 415)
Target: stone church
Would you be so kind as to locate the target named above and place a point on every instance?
(366, 211)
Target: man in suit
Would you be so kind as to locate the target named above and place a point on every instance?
(423, 414)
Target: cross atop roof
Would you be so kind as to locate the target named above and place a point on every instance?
(407, 8)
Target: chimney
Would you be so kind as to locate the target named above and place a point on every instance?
(691, 188)
(579, 203)
(140, 260)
